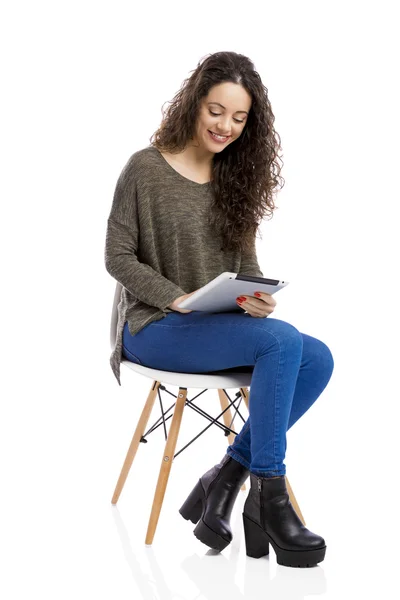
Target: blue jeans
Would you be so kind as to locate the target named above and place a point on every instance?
(291, 370)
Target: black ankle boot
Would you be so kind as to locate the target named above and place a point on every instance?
(211, 501)
(269, 518)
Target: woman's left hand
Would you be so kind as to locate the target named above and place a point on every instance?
(262, 306)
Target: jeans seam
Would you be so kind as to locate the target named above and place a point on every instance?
(241, 433)
(244, 429)
(269, 473)
(209, 323)
(277, 406)
(125, 349)
(236, 442)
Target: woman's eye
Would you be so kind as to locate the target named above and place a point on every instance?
(217, 115)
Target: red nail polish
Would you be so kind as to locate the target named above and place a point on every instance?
(257, 294)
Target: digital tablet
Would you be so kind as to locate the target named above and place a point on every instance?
(219, 294)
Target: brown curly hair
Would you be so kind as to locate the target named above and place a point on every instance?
(244, 174)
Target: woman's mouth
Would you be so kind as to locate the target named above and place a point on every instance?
(218, 138)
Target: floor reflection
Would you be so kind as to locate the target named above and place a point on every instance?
(214, 574)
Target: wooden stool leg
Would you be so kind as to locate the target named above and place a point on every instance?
(245, 394)
(294, 501)
(141, 426)
(166, 465)
(227, 416)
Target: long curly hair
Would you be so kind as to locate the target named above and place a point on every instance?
(246, 173)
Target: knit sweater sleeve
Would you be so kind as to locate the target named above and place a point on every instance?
(122, 237)
(249, 263)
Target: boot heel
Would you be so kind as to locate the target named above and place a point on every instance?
(257, 543)
(192, 508)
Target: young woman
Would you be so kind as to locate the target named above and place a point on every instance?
(185, 209)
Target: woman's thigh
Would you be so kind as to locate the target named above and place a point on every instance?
(199, 342)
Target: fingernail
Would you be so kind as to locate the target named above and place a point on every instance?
(257, 294)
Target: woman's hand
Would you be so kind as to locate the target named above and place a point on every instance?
(262, 306)
(174, 304)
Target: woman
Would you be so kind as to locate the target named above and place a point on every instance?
(185, 209)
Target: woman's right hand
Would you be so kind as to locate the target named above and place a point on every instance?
(174, 304)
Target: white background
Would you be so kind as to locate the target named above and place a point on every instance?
(83, 86)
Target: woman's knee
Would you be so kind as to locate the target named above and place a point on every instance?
(326, 357)
(279, 333)
(319, 352)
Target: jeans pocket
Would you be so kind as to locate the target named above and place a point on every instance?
(132, 357)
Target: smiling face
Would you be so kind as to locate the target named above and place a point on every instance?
(224, 111)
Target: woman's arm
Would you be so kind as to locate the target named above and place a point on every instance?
(121, 246)
(249, 263)
(138, 278)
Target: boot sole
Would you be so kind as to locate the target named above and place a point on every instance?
(257, 545)
(209, 537)
(192, 510)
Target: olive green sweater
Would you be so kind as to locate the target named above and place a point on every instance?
(159, 244)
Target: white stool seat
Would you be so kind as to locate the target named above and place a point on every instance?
(225, 379)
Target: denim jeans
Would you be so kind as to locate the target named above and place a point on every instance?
(290, 371)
